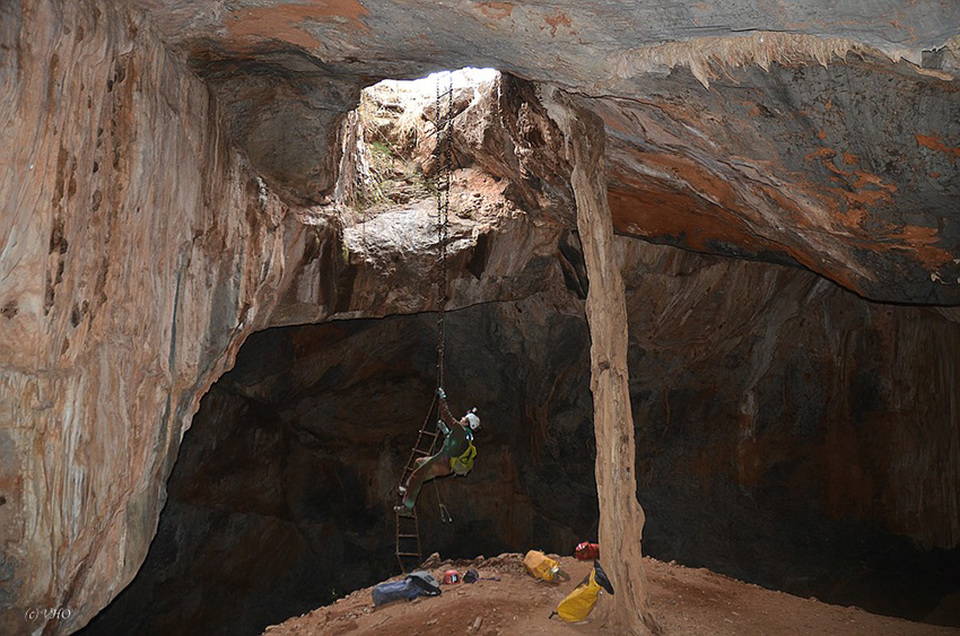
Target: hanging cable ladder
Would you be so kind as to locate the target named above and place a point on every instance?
(408, 550)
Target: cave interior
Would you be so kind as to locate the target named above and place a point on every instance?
(281, 498)
(219, 295)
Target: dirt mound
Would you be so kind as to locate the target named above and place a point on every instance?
(509, 601)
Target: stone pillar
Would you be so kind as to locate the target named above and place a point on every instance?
(621, 517)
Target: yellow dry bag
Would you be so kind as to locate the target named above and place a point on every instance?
(543, 567)
(463, 463)
(581, 600)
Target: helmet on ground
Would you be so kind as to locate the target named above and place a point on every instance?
(451, 576)
(473, 419)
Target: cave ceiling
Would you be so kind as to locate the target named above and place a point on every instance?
(819, 134)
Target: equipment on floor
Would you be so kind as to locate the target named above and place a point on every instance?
(451, 577)
(587, 551)
(415, 584)
(540, 566)
(582, 599)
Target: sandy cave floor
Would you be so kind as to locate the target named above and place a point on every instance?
(684, 601)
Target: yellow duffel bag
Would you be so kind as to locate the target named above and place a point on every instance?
(581, 600)
(543, 567)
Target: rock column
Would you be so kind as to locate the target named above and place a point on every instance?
(621, 517)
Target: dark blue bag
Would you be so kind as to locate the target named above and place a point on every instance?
(391, 591)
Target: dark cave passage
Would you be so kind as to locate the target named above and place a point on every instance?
(282, 493)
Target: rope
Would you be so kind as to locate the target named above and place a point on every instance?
(443, 160)
(443, 156)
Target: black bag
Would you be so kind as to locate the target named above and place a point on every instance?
(428, 585)
(601, 577)
(416, 584)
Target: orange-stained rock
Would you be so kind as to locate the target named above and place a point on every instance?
(817, 166)
(790, 431)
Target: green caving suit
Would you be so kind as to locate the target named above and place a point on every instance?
(457, 441)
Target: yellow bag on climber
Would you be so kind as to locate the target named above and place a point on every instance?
(543, 567)
(581, 600)
(463, 464)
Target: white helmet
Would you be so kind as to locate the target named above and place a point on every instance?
(473, 420)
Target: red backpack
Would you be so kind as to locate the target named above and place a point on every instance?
(587, 551)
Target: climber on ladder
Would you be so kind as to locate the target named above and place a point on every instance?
(456, 455)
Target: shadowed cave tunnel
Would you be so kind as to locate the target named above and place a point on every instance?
(281, 497)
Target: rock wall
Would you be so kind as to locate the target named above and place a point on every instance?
(815, 171)
(138, 250)
(281, 499)
(793, 434)
(850, 407)
(806, 132)
(620, 530)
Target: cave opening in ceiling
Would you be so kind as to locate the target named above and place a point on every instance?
(757, 430)
(389, 152)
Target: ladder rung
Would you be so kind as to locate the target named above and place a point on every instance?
(407, 536)
(410, 554)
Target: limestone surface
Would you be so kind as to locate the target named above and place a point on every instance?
(789, 433)
(137, 250)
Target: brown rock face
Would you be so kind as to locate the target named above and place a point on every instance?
(138, 250)
(822, 134)
(814, 172)
(780, 428)
(295, 456)
(621, 517)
